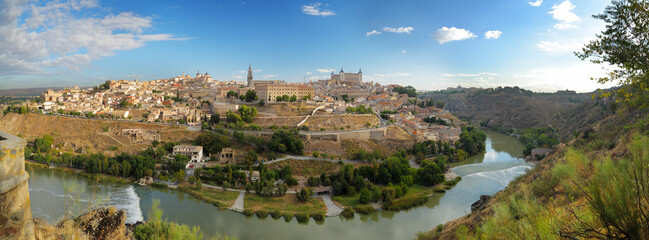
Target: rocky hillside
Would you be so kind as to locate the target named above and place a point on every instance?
(594, 186)
(520, 109)
(88, 135)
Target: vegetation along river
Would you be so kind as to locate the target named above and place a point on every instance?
(487, 173)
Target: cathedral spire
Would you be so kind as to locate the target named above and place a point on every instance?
(250, 81)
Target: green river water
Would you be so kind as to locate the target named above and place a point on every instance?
(487, 173)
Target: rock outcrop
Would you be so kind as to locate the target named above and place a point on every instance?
(480, 204)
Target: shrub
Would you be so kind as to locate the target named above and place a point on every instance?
(347, 213)
(276, 214)
(247, 212)
(262, 214)
(364, 209)
(318, 217)
(405, 203)
(288, 217)
(302, 217)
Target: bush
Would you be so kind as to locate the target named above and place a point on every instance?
(288, 217)
(405, 203)
(276, 214)
(364, 209)
(318, 217)
(262, 214)
(247, 212)
(347, 213)
(302, 217)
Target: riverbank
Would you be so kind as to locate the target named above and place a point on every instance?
(99, 178)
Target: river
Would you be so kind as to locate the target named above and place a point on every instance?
(487, 173)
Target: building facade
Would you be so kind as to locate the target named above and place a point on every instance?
(194, 153)
(346, 78)
(270, 92)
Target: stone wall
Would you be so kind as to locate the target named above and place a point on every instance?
(15, 210)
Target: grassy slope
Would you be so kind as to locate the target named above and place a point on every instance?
(544, 202)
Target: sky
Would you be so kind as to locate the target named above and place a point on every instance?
(429, 44)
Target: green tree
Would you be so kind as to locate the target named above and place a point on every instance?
(251, 95)
(232, 93)
(293, 98)
(247, 113)
(625, 44)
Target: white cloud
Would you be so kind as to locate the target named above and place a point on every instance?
(492, 34)
(387, 77)
(536, 3)
(309, 73)
(54, 35)
(324, 70)
(269, 76)
(398, 30)
(562, 12)
(315, 10)
(468, 74)
(373, 32)
(404, 51)
(444, 34)
(560, 47)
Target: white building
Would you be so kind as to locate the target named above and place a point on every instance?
(194, 153)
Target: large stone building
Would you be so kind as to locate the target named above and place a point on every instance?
(270, 92)
(346, 78)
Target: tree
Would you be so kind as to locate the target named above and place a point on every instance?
(305, 194)
(233, 117)
(286, 98)
(215, 118)
(365, 197)
(232, 93)
(251, 158)
(624, 44)
(251, 95)
(293, 98)
(247, 113)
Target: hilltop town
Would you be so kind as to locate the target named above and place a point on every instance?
(193, 100)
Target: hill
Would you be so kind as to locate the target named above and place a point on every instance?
(89, 135)
(593, 186)
(517, 108)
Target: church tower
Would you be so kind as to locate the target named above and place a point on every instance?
(250, 81)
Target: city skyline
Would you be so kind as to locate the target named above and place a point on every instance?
(429, 45)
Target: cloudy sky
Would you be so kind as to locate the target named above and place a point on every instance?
(427, 44)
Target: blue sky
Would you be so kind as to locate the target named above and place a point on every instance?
(427, 44)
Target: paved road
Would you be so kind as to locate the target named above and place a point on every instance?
(238, 205)
(332, 209)
(309, 158)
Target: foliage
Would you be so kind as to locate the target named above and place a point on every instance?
(251, 95)
(347, 213)
(624, 45)
(409, 90)
(364, 209)
(247, 113)
(361, 109)
(305, 194)
(212, 142)
(286, 141)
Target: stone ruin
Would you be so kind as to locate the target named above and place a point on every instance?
(15, 208)
(140, 135)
